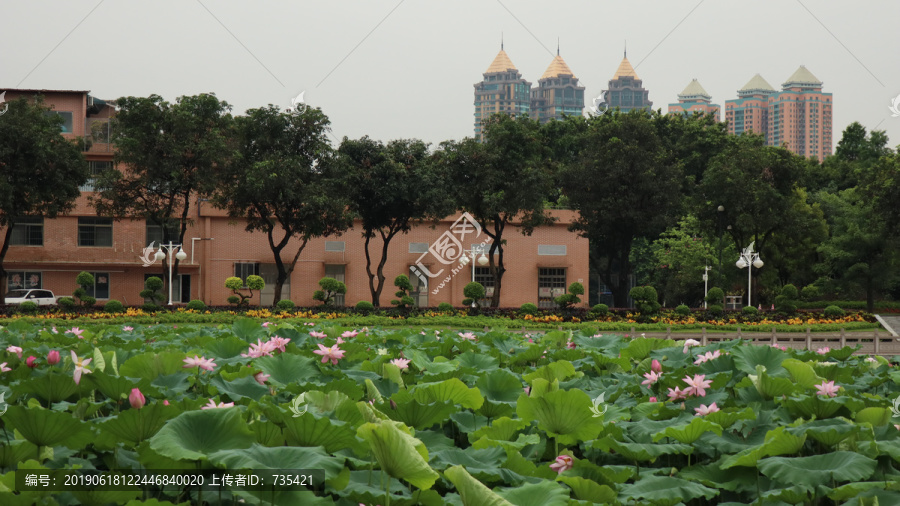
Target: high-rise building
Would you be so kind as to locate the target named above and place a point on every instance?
(557, 93)
(503, 90)
(695, 100)
(800, 116)
(750, 111)
(626, 90)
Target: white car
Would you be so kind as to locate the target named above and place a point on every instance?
(39, 297)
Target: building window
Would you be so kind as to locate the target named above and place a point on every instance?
(95, 232)
(419, 283)
(96, 168)
(23, 279)
(66, 127)
(337, 272)
(100, 288)
(335, 246)
(244, 269)
(154, 232)
(28, 231)
(551, 284)
(418, 247)
(483, 276)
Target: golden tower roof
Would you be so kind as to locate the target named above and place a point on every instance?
(557, 68)
(501, 63)
(625, 70)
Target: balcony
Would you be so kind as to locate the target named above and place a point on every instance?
(97, 135)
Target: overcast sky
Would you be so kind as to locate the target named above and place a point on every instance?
(402, 69)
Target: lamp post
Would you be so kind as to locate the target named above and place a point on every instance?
(482, 261)
(180, 255)
(749, 259)
(719, 229)
(706, 285)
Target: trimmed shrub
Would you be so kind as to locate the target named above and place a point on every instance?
(715, 295)
(236, 284)
(285, 305)
(28, 307)
(682, 310)
(833, 312)
(445, 306)
(810, 292)
(750, 311)
(196, 305)
(113, 306)
(402, 282)
(153, 290)
(528, 308)
(234, 299)
(786, 301)
(365, 305)
(715, 309)
(600, 309)
(85, 281)
(571, 298)
(646, 300)
(150, 307)
(330, 288)
(65, 302)
(474, 292)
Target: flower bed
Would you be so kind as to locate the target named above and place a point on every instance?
(418, 416)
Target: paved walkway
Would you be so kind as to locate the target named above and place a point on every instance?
(891, 323)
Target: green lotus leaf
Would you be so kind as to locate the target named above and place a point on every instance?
(51, 387)
(472, 491)
(452, 390)
(423, 363)
(530, 354)
(151, 365)
(561, 371)
(640, 347)
(399, 454)
(641, 452)
(16, 451)
(770, 387)
(727, 417)
(43, 427)
(777, 442)
(98, 363)
(502, 429)
(284, 457)
(823, 469)
(368, 489)
(545, 493)
(829, 431)
(114, 387)
(268, 433)
(172, 384)
(851, 490)
(325, 402)
(612, 364)
(564, 414)
(392, 372)
(286, 368)
(483, 464)
(136, 425)
(477, 361)
(791, 495)
(739, 479)
(241, 388)
(802, 373)
(495, 409)
(154, 502)
(194, 435)
(874, 415)
(666, 490)
(308, 430)
(418, 415)
(522, 440)
(102, 496)
(690, 432)
(500, 385)
(746, 358)
(589, 490)
(227, 348)
(874, 497)
(808, 406)
(248, 329)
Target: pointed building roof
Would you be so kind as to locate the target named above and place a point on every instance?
(557, 68)
(694, 90)
(501, 63)
(802, 76)
(625, 70)
(757, 83)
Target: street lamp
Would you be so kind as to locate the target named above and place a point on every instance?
(180, 255)
(482, 261)
(749, 259)
(706, 284)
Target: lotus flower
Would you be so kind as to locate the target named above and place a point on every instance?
(823, 351)
(652, 399)
(332, 353)
(202, 362)
(352, 333)
(16, 350)
(655, 366)
(318, 335)
(689, 343)
(709, 355)
(76, 331)
(278, 343)
(704, 410)
(402, 363)
(827, 388)
(261, 378)
(266, 324)
(697, 385)
(677, 394)
(468, 335)
(136, 398)
(212, 405)
(3, 368)
(30, 362)
(652, 377)
(53, 357)
(80, 367)
(563, 463)
(570, 345)
(260, 349)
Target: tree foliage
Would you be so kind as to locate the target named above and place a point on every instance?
(330, 288)
(236, 284)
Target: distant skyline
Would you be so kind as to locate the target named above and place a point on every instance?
(406, 68)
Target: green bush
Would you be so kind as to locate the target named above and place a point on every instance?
(715, 295)
(234, 300)
(528, 308)
(600, 309)
(150, 307)
(786, 301)
(330, 288)
(749, 311)
(645, 300)
(474, 292)
(682, 310)
(153, 290)
(715, 309)
(402, 282)
(65, 303)
(571, 298)
(365, 305)
(285, 305)
(196, 305)
(235, 284)
(113, 306)
(445, 306)
(833, 312)
(28, 307)
(810, 292)
(85, 282)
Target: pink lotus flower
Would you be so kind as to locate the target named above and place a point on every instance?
(165, 403)
(318, 335)
(309, 323)
(202, 362)
(212, 405)
(570, 345)
(689, 343)
(127, 328)
(563, 463)
(353, 333)
(709, 355)
(704, 410)
(53, 357)
(278, 343)
(80, 367)
(782, 348)
(527, 390)
(76, 331)
(652, 377)
(697, 385)
(655, 366)
(402, 363)
(261, 377)
(677, 394)
(30, 362)
(266, 324)
(3, 368)
(260, 349)
(16, 350)
(136, 398)
(652, 399)
(827, 388)
(468, 335)
(332, 353)
(823, 351)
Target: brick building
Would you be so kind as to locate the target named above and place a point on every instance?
(49, 253)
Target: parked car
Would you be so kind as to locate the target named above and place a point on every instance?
(39, 297)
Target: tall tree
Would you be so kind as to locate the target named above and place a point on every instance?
(40, 170)
(166, 155)
(504, 181)
(389, 188)
(625, 185)
(282, 181)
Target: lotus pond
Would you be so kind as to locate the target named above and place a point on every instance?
(418, 416)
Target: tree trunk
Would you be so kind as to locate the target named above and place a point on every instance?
(375, 294)
(3, 250)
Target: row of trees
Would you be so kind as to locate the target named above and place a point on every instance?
(659, 196)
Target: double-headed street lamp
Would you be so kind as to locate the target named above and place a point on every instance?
(749, 259)
(180, 255)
